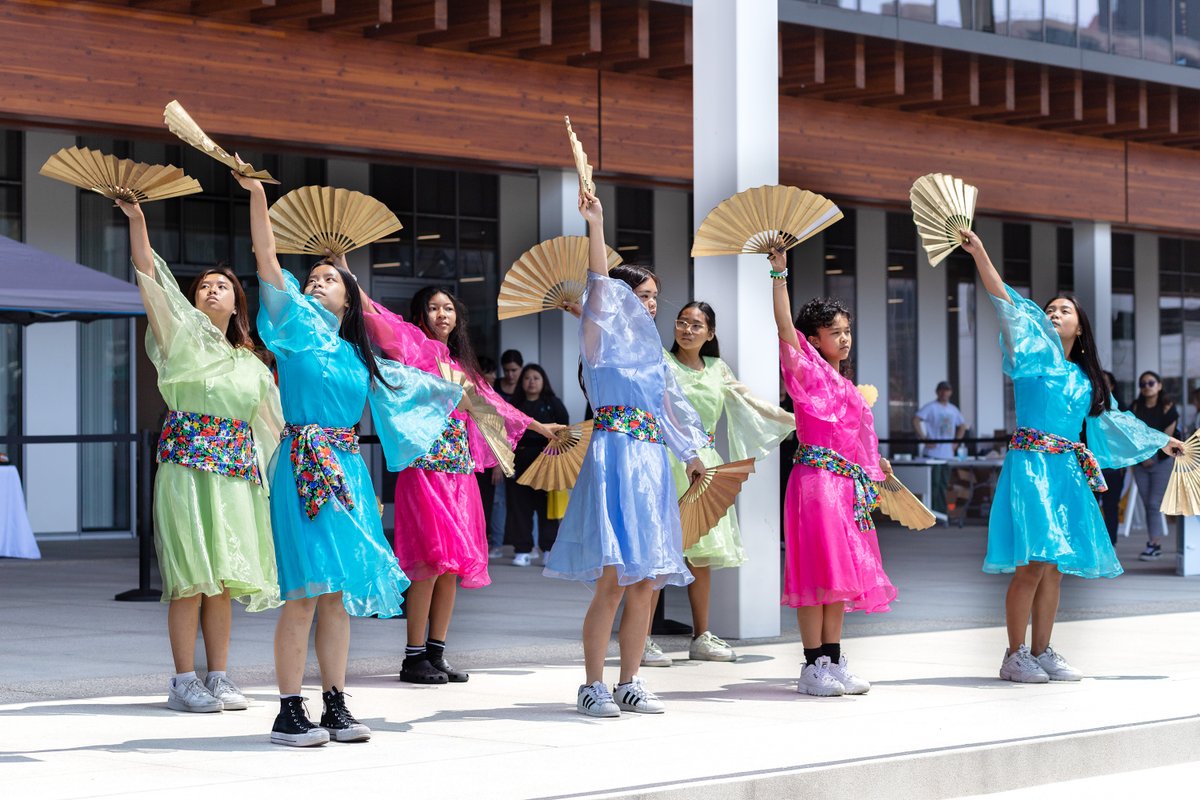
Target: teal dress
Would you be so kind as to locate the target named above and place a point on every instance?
(1044, 509)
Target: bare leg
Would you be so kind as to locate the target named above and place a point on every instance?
(416, 606)
(598, 622)
(1018, 603)
(183, 618)
(634, 627)
(291, 643)
(216, 621)
(812, 625)
(653, 607)
(1045, 608)
(698, 596)
(832, 616)
(441, 609)
(333, 640)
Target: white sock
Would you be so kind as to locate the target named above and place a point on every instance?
(214, 674)
(183, 677)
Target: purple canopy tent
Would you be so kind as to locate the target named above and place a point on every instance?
(39, 287)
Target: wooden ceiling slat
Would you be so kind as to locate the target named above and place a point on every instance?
(355, 14)
(411, 18)
(293, 10)
(468, 22)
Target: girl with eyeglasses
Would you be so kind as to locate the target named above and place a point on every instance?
(1044, 521)
(1154, 408)
(754, 427)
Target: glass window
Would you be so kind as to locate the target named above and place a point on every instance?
(1170, 315)
(1025, 19)
(960, 327)
(955, 13)
(10, 184)
(920, 10)
(1018, 255)
(1127, 27)
(104, 382)
(635, 225)
(991, 16)
(1123, 366)
(1187, 34)
(10, 389)
(901, 322)
(1157, 27)
(1065, 259)
(1061, 21)
(437, 192)
(885, 7)
(840, 261)
(1093, 25)
(437, 248)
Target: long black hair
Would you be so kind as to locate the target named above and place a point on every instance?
(712, 347)
(634, 275)
(459, 341)
(547, 389)
(1083, 353)
(353, 328)
(820, 312)
(1164, 400)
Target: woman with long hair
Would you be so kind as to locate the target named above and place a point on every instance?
(333, 557)
(1044, 521)
(440, 535)
(753, 428)
(621, 532)
(523, 503)
(211, 519)
(832, 562)
(1154, 408)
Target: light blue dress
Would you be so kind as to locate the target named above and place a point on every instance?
(323, 381)
(623, 511)
(1044, 509)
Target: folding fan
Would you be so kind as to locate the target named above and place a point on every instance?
(549, 275)
(764, 219)
(180, 123)
(316, 219)
(900, 504)
(870, 394)
(118, 178)
(1182, 497)
(709, 498)
(586, 184)
(941, 205)
(557, 466)
(485, 416)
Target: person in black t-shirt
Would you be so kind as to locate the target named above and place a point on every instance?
(534, 397)
(1155, 409)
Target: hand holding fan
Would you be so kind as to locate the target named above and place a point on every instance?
(180, 123)
(1182, 497)
(551, 274)
(118, 178)
(557, 466)
(764, 219)
(941, 206)
(709, 498)
(321, 219)
(485, 416)
(900, 504)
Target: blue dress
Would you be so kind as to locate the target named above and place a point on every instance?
(623, 511)
(323, 381)
(1044, 509)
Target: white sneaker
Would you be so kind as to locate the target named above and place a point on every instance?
(595, 700)
(1022, 667)
(707, 647)
(496, 552)
(653, 656)
(522, 559)
(191, 696)
(227, 692)
(816, 680)
(1056, 667)
(634, 696)
(851, 683)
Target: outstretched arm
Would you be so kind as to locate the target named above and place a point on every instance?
(261, 234)
(139, 238)
(987, 270)
(782, 300)
(591, 210)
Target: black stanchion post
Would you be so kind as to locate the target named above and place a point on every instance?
(145, 521)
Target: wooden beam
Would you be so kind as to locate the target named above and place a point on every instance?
(468, 22)
(411, 18)
(355, 14)
(577, 27)
(626, 36)
(294, 10)
(670, 44)
(219, 8)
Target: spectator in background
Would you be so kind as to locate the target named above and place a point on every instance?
(940, 419)
(511, 362)
(1193, 423)
(1114, 479)
(1154, 408)
(524, 503)
(489, 480)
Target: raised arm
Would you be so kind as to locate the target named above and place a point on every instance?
(260, 232)
(782, 300)
(987, 270)
(591, 210)
(139, 238)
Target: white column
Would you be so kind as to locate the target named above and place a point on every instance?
(51, 351)
(671, 263)
(518, 233)
(735, 127)
(871, 343)
(932, 305)
(1093, 280)
(1145, 303)
(989, 372)
(558, 332)
(1043, 252)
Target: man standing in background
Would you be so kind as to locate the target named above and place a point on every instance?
(940, 419)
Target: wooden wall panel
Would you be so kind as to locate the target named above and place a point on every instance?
(1164, 187)
(852, 152)
(646, 126)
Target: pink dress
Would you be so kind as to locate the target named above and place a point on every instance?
(440, 526)
(828, 559)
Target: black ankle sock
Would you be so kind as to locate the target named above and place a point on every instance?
(811, 654)
(435, 648)
(414, 653)
(834, 651)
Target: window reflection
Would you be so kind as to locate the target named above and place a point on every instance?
(1187, 33)
(1127, 27)
(1060, 22)
(920, 10)
(1156, 22)
(1093, 24)
(1025, 19)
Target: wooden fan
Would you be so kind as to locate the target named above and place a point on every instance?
(1182, 497)
(586, 184)
(709, 498)
(764, 219)
(941, 205)
(870, 394)
(557, 466)
(180, 123)
(486, 418)
(118, 178)
(900, 504)
(549, 275)
(316, 219)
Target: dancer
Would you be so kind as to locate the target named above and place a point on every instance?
(329, 544)
(524, 502)
(832, 563)
(1044, 521)
(621, 530)
(753, 426)
(440, 536)
(211, 519)
(1154, 408)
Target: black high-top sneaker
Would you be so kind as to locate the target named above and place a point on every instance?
(338, 720)
(453, 675)
(293, 728)
(419, 670)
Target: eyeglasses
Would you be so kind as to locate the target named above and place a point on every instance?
(1147, 384)
(682, 325)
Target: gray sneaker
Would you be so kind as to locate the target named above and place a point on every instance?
(227, 692)
(1057, 667)
(707, 647)
(851, 683)
(634, 696)
(653, 656)
(191, 696)
(1022, 667)
(595, 700)
(816, 680)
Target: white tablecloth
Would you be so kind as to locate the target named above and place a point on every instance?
(16, 537)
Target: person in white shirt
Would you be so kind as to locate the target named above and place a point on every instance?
(940, 419)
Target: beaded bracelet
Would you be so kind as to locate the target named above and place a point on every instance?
(779, 276)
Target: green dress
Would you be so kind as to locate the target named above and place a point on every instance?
(212, 532)
(753, 428)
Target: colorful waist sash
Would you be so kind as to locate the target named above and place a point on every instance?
(866, 496)
(451, 452)
(319, 476)
(1042, 442)
(631, 421)
(210, 444)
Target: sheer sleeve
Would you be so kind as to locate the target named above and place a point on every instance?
(515, 421)
(682, 428)
(755, 427)
(410, 417)
(290, 322)
(1118, 439)
(615, 329)
(403, 341)
(814, 386)
(1030, 343)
